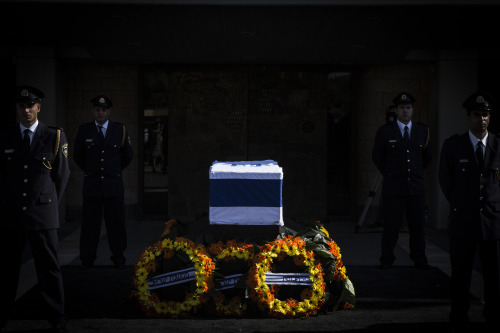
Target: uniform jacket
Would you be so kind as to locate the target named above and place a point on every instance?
(473, 194)
(402, 166)
(102, 163)
(32, 184)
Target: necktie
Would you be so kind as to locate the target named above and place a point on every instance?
(406, 136)
(101, 134)
(479, 154)
(26, 140)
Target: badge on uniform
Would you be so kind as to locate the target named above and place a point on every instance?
(392, 141)
(89, 140)
(65, 150)
(464, 160)
(9, 151)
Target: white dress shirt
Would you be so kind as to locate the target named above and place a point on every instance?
(474, 140)
(32, 129)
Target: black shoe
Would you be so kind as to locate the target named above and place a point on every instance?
(87, 266)
(462, 327)
(60, 328)
(385, 266)
(423, 266)
(119, 266)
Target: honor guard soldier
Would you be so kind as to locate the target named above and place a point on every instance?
(102, 151)
(469, 177)
(401, 153)
(34, 172)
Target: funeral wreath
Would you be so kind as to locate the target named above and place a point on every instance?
(295, 275)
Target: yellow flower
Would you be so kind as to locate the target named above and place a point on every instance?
(167, 243)
(143, 288)
(141, 271)
(202, 263)
(264, 296)
(161, 307)
(322, 228)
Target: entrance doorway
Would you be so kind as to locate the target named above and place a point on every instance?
(155, 145)
(246, 113)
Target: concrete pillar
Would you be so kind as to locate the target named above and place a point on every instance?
(457, 79)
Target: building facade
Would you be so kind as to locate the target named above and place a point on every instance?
(316, 119)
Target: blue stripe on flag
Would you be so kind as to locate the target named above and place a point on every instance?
(246, 193)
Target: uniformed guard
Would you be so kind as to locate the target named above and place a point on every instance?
(102, 150)
(34, 172)
(401, 153)
(469, 177)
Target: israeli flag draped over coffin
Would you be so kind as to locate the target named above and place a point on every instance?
(246, 192)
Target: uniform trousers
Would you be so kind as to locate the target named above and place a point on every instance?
(113, 210)
(462, 254)
(395, 207)
(44, 247)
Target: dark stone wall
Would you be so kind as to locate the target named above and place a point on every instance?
(247, 114)
(233, 113)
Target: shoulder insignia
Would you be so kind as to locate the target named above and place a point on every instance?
(452, 137)
(65, 150)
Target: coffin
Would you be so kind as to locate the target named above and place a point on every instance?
(246, 193)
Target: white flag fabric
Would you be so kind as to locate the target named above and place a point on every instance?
(246, 193)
